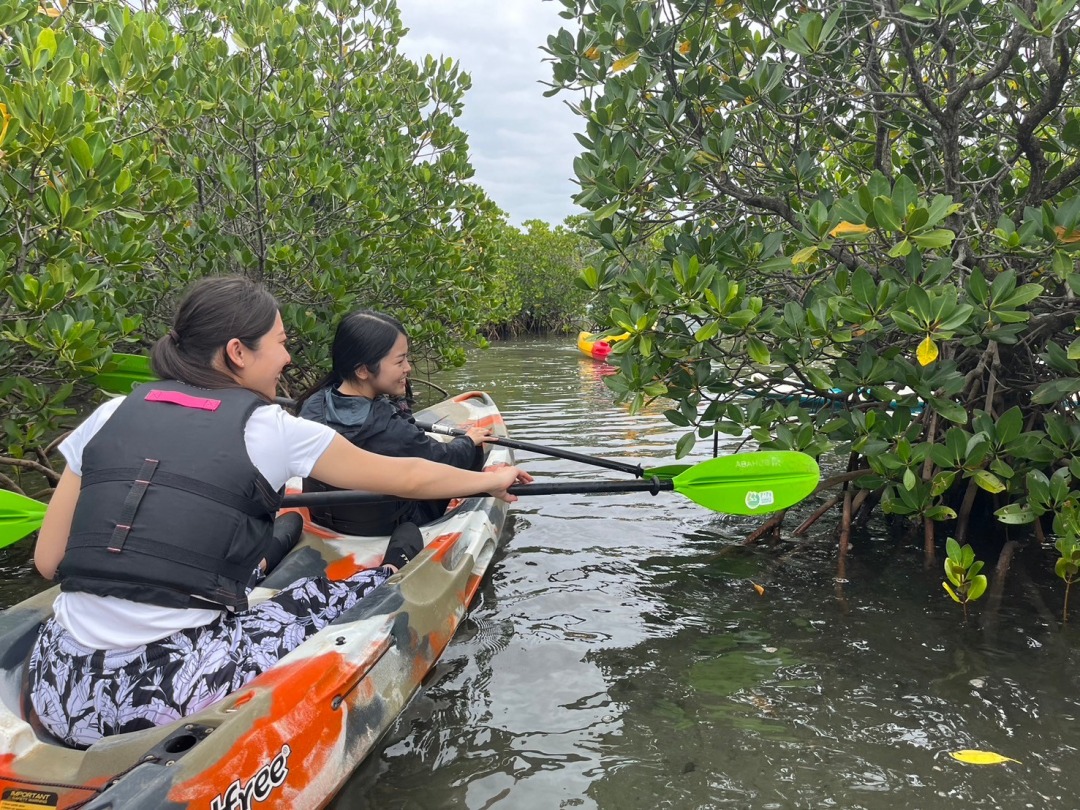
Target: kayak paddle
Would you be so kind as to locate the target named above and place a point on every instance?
(19, 516)
(123, 372)
(669, 471)
(742, 484)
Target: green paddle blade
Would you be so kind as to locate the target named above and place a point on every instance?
(750, 483)
(123, 372)
(19, 516)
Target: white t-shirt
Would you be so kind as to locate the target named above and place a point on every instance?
(279, 445)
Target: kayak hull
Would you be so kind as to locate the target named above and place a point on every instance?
(597, 348)
(292, 736)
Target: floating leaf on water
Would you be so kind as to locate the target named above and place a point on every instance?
(760, 590)
(973, 757)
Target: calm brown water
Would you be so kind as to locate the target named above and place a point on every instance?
(618, 655)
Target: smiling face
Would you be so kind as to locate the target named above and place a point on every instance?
(259, 369)
(392, 376)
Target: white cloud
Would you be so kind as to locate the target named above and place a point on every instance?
(522, 145)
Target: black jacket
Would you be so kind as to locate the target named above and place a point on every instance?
(380, 426)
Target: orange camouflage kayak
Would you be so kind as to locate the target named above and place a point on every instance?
(597, 348)
(291, 737)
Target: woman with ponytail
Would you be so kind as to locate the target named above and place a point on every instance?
(166, 506)
(358, 399)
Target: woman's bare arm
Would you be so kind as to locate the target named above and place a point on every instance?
(346, 466)
(55, 528)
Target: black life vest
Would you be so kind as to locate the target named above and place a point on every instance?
(371, 519)
(172, 511)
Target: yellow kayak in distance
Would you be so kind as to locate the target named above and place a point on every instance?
(597, 348)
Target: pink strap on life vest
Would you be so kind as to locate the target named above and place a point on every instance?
(184, 400)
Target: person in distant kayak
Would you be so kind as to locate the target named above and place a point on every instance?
(165, 508)
(359, 399)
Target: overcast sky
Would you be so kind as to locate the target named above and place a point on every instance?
(522, 144)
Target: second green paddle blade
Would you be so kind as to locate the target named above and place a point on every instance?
(123, 372)
(19, 516)
(750, 483)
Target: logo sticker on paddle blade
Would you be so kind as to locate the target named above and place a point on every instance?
(755, 500)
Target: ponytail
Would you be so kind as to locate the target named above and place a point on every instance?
(212, 312)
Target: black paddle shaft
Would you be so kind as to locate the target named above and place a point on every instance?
(653, 486)
(569, 455)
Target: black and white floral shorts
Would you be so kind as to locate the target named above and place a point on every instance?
(81, 694)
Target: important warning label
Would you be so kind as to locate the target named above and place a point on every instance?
(22, 799)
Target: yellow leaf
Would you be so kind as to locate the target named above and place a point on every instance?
(5, 118)
(804, 255)
(927, 352)
(760, 590)
(973, 757)
(1066, 238)
(49, 12)
(846, 228)
(593, 53)
(684, 47)
(624, 63)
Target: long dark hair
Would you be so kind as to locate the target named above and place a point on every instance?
(212, 312)
(363, 338)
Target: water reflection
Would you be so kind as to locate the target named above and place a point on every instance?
(592, 371)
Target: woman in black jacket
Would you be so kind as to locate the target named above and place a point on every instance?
(358, 399)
